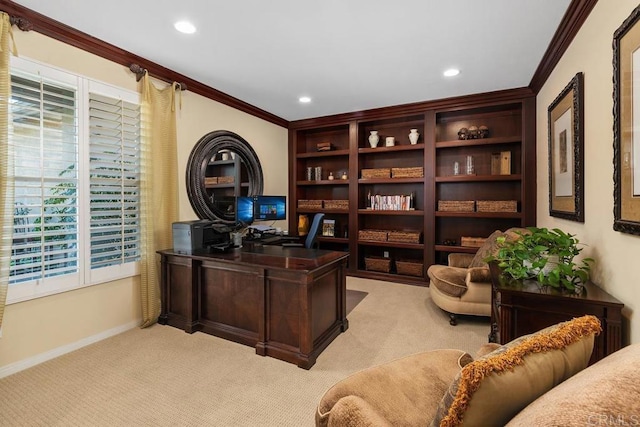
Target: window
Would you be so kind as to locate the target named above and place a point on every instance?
(76, 146)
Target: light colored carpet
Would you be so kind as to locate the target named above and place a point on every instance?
(162, 376)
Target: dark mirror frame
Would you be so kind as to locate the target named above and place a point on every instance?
(207, 148)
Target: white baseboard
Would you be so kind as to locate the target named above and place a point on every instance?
(21, 365)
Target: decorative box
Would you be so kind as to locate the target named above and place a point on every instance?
(210, 180)
(410, 267)
(309, 204)
(378, 264)
(417, 172)
(226, 179)
(497, 205)
(472, 242)
(336, 204)
(323, 146)
(456, 205)
(404, 236)
(376, 235)
(376, 173)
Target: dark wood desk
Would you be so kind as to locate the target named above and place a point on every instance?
(524, 307)
(289, 303)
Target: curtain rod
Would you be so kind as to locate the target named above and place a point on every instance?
(139, 72)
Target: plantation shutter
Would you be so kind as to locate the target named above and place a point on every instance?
(114, 170)
(43, 132)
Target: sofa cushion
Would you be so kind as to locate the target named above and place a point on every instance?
(404, 391)
(494, 388)
(449, 280)
(604, 394)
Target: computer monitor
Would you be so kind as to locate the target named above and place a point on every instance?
(269, 208)
(244, 209)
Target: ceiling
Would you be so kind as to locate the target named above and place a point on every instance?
(347, 55)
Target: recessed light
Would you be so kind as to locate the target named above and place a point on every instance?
(185, 27)
(451, 72)
(304, 99)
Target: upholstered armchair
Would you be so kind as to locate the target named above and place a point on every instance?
(464, 285)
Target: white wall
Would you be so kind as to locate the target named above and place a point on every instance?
(45, 327)
(615, 253)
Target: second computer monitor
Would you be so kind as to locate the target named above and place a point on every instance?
(269, 208)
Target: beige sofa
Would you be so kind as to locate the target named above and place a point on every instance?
(536, 380)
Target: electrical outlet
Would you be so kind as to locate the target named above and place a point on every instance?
(386, 254)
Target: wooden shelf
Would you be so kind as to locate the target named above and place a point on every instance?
(388, 244)
(324, 182)
(331, 153)
(386, 150)
(390, 180)
(326, 211)
(456, 249)
(477, 142)
(479, 214)
(389, 277)
(328, 239)
(391, 213)
(478, 178)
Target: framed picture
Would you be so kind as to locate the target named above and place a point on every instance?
(626, 125)
(329, 227)
(566, 152)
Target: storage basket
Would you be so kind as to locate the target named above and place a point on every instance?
(309, 204)
(226, 179)
(210, 180)
(376, 173)
(456, 205)
(497, 206)
(336, 204)
(407, 236)
(472, 242)
(410, 267)
(417, 172)
(376, 235)
(381, 264)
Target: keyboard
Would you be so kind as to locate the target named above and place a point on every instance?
(279, 239)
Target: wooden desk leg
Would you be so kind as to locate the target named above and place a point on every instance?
(261, 345)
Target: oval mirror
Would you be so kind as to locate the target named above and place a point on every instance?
(221, 166)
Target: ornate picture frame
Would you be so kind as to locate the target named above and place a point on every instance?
(566, 152)
(626, 142)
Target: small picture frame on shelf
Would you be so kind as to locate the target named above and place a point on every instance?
(328, 227)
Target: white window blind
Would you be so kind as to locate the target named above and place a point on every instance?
(43, 131)
(114, 171)
(76, 152)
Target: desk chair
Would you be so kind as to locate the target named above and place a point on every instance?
(311, 239)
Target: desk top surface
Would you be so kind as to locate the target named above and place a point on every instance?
(291, 258)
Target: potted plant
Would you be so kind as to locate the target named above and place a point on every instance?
(543, 254)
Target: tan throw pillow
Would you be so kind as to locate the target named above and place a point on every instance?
(488, 248)
(494, 388)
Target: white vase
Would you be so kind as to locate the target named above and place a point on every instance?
(413, 136)
(374, 139)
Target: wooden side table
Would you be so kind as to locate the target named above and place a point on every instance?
(524, 307)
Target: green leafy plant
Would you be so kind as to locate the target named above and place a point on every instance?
(546, 255)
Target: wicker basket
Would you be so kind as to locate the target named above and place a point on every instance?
(497, 206)
(336, 204)
(404, 236)
(309, 204)
(378, 264)
(456, 205)
(417, 172)
(472, 242)
(226, 179)
(210, 180)
(375, 235)
(410, 267)
(376, 173)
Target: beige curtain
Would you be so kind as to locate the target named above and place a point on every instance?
(6, 160)
(159, 189)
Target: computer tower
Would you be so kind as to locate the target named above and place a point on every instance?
(188, 236)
